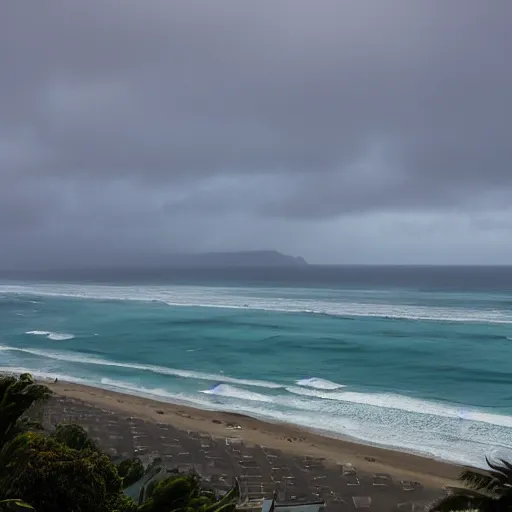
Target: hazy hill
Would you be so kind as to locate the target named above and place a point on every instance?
(235, 259)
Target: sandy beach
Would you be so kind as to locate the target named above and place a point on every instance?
(287, 438)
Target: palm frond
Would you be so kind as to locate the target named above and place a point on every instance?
(499, 471)
(233, 495)
(480, 481)
(506, 464)
(470, 493)
(16, 505)
(507, 469)
(458, 502)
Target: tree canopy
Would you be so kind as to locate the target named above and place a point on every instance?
(131, 471)
(75, 437)
(42, 471)
(184, 492)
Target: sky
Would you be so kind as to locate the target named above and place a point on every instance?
(340, 131)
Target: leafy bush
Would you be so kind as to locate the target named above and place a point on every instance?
(184, 492)
(75, 437)
(43, 472)
(131, 471)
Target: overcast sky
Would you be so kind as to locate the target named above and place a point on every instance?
(342, 131)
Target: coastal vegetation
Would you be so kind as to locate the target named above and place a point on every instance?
(65, 470)
(485, 491)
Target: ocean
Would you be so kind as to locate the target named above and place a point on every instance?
(414, 358)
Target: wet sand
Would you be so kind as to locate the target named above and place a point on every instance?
(289, 439)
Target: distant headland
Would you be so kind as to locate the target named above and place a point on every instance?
(163, 266)
(235, 259)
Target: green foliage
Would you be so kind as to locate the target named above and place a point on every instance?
(17, 394)
(486, 491)
(171, 493)
(185, 493)
(75, 437)
(43, 472)
(120, 503)
(131, 471)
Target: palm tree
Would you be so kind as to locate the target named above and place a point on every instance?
(185, 493)
(485, 491)
(17, 394)
(15, 505)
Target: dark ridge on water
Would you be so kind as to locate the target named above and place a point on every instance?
(235, 259)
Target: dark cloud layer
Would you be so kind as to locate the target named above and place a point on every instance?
(334, 129)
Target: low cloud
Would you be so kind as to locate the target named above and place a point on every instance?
(129, 130)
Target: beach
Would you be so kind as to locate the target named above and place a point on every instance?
(289, 439)
(269, 459)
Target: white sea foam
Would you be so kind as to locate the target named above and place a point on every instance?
(54, 336)
(189, 374)
(138, 390)
(60, 336)
(242, 298)
(228, 391)
(318, 383)
(407, 404)
(164, 395)
(386, 401)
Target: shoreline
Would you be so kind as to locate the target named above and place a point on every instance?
(288, 438)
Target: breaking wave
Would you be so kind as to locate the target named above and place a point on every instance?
(317, 383)
(55, 336)
(240, 298)
(407, 404)
(62, 356)
(225, 390)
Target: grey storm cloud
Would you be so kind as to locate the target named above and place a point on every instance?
(130, 125)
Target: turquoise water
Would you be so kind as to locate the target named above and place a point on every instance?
(423, 370)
